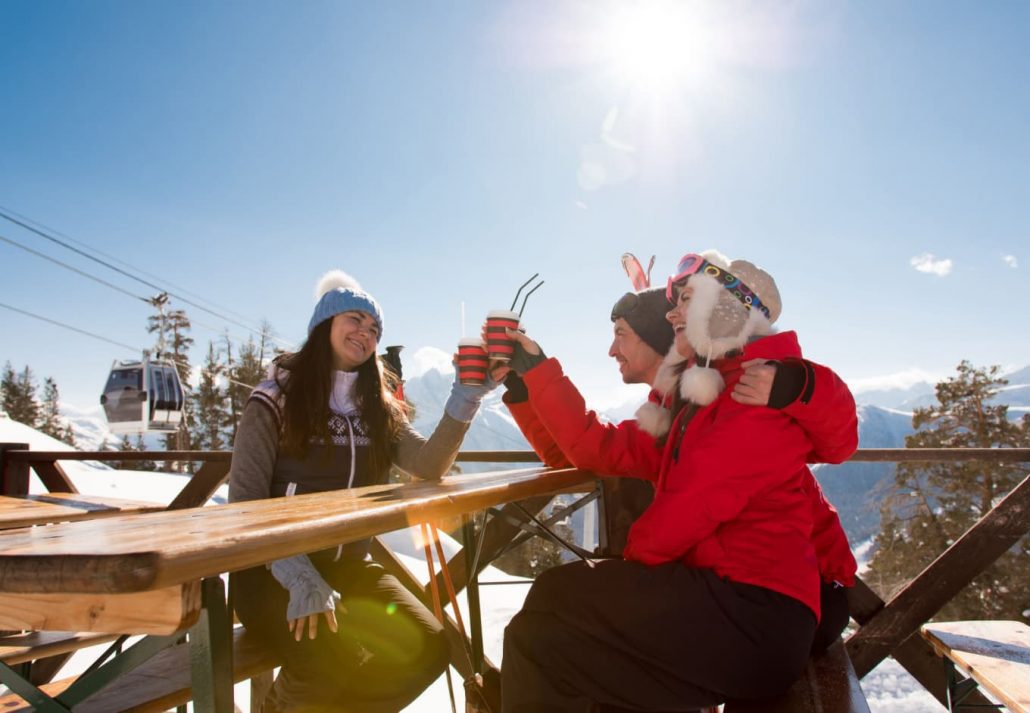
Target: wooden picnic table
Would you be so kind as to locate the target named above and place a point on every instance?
(993, 654)
(156, 550)
(41, 509)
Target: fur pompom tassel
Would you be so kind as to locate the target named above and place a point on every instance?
(669, 372)
(654, 419)
(335, 279)
(701, 385)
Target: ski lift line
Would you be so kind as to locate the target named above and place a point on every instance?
(187, 367)
(116, 259)
(73, 269)
(103, 339)
(69, 327)
(42, 234)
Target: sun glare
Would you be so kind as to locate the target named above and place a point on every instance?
(659, 45)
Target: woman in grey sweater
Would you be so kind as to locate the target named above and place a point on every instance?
(352, 638)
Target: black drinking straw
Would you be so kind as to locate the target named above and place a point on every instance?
(515, 301)
(527, 297)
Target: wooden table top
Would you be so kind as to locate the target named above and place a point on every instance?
(996, 654)
(40, 509)
(130, 553)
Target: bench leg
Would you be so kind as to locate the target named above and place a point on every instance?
(210, 642)
(959, 687)
(33, 696)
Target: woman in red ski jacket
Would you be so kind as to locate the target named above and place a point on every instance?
(717, 596)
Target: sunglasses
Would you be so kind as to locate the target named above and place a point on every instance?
(692, 263)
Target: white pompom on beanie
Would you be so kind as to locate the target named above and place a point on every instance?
(339, 292)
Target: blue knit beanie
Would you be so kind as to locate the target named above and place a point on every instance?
(339, 292)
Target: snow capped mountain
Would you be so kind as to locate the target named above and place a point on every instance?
(855, 489)
(885, 418)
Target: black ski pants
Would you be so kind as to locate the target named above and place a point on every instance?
(630, 637)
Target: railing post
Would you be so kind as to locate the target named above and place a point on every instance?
(14, 473)
(942, 579)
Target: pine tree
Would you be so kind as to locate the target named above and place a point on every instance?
(141, 446)
(211, 414)
(124, 446)
(50, 412)
(932, 504)
(8, 389)
(19, 396)
(246, 373)
(172, 327)
(68, 436)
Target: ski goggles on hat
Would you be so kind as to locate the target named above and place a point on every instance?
(691, 264)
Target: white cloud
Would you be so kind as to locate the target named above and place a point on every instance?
(928, 263)
(901, 380)
(1010, 260)
(581, 205)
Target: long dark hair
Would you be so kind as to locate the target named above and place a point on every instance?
(306, 380)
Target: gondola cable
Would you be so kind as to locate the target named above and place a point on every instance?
(42, 226)
(184, 365)
(97, 260)
(216, 330)
(73, 269)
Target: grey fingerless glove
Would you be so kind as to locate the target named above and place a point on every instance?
(309, 593)
(464, 400)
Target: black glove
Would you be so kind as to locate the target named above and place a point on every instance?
(787, 384)
(522, 361)
(516, 393)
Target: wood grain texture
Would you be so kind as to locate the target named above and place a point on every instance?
(128, 553)
(163, 611)
(996, 654)
(26, 510)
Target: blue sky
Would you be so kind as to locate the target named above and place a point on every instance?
(444, 152)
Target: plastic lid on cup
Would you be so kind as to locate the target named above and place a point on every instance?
(470, 342)
(503, 314)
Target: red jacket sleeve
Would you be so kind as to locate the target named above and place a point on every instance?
(538, 436)
(826, 411)
(730, 455)
(836, 560)
(590, 444)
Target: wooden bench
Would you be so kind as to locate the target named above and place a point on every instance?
(162, 682)
(994, 655)
(74, 570)
(828, 685)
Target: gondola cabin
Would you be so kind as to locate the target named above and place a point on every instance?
(143, 396)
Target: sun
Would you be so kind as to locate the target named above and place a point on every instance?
(660, 46)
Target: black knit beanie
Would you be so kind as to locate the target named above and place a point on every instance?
(644, 311)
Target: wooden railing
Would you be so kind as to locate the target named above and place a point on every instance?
(885, 628)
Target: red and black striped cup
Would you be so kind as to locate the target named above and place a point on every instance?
(472, 361)
(499, 346)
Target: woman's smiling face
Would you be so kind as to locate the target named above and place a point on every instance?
(677, 317)
(353, 337)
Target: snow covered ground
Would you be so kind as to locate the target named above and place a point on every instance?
(888, 687)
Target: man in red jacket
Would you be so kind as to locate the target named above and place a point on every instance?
(642, 337)
(711, 517)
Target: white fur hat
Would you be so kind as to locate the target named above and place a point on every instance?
(730, 304)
